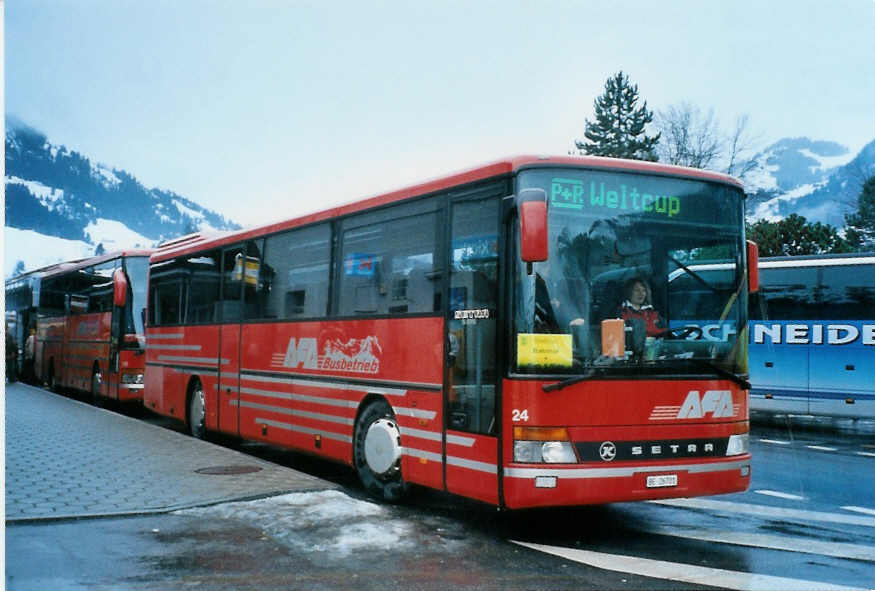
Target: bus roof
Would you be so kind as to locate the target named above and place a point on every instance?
(818, 260)
(74, 265)
(507, 166)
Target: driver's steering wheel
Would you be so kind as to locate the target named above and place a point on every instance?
(681, 332)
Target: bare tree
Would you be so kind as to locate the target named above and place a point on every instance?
(741, 145)
(689, 136)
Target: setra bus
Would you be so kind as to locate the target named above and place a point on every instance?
(89, 326)
(462, 335)
(812, 341)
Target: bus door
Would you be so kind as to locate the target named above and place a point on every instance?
(471, 378)
(230, 315)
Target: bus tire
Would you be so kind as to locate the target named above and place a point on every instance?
(377, 452)
(196, 410)
(96, 382)
(51, 384)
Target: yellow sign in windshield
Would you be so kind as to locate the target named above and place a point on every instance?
(543, 350)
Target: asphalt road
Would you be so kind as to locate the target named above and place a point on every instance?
(808, 522)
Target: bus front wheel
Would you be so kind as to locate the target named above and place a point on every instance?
(377, 452)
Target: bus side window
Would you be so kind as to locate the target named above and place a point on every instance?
(295, 274)
(388, 262)
(847, 292)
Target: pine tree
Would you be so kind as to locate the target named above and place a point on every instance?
(619, 128)
(861, 225)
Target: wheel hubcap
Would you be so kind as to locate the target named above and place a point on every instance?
(382, 446)
(197, 410)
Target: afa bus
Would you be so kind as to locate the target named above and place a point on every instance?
(812, 336)
(463, 335)
(89, 317)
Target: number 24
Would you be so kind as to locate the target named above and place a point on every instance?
(518, 415)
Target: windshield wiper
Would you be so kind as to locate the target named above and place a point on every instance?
(570, 381)
(725, 373)
(693, 274)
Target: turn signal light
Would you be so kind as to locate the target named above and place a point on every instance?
(541, 433)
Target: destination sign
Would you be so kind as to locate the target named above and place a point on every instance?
(576, 194)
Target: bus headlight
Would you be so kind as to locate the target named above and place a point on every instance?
(558, 452)
(132, 378)
(548, 452)
(738, 444)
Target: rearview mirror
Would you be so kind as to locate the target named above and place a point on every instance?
(533, 225)
(119, 288)
(753, 267)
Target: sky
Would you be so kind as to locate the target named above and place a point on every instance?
(268, 109)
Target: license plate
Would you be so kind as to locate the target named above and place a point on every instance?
(662, 480)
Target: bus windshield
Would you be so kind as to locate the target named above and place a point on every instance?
(136, 268)
(644, 275)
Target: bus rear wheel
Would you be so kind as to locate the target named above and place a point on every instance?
(197, 411)
(96, 382)
(51, 384)
(377, 452)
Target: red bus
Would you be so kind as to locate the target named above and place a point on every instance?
(462, 335)
(90, 317)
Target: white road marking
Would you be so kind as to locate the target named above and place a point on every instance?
(755, 540)
(767, 511)
(859, 509)
(780, 495)
(686, 573)
(775, 441)
(822, 448)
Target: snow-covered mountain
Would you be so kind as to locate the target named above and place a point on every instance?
(820, 180)
(60, 205)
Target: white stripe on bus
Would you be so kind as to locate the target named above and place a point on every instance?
(301, 429)
(451, 460)
(296, 413)
(416, 413)
(459, 440)
(576, 473)
(338, 385)
(213, 360)
(173, 347)
(472, 465)
(299, 397)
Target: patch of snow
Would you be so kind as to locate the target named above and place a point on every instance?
(761, 178)
(46, 195)
(114, 235)
(185, 210)
(99, 171)
(37, 250)
(768, 210)
(827, 162)
(320, 521)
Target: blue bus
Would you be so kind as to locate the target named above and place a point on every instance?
(812, 336)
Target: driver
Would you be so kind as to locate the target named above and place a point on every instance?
(637, 306)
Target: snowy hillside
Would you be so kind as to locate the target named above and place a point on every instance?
(80, 206)
(817, 179)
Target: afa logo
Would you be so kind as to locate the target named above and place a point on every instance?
(716, 402)
(337, 354)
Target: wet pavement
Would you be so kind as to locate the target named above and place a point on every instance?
(66, 459)
(101, 501)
